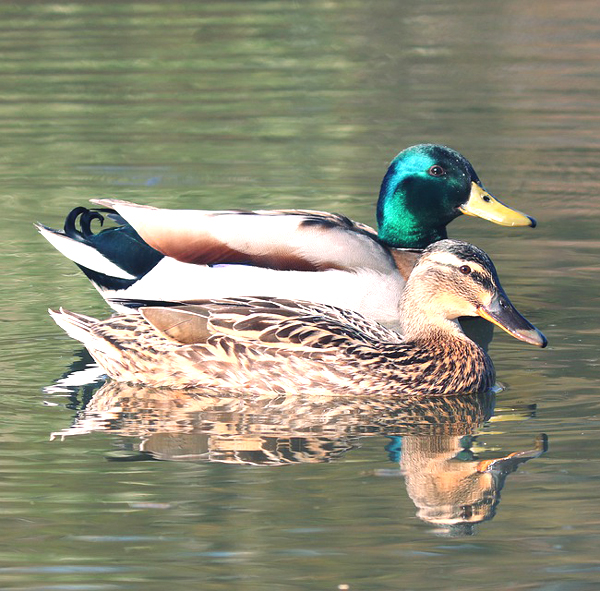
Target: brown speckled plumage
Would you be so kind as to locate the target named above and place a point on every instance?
(272, 345)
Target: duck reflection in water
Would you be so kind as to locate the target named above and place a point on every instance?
(449, 485)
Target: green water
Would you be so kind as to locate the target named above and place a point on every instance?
(300, 104)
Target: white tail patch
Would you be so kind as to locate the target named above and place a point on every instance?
(83, 254)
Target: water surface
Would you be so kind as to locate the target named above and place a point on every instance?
(280, 104)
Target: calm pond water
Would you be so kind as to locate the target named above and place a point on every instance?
(300, 104)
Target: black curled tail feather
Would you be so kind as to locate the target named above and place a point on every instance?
(86, 217)
(121, 245)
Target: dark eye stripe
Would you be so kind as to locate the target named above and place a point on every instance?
(484, 280)
(488, 281)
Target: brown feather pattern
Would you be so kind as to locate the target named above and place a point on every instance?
(268, 345)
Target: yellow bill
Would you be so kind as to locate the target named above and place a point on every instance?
(483, 205)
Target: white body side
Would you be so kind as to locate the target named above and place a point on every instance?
(373, 294)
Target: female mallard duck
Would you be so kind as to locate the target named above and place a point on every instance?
(182, 255)
(265, 345)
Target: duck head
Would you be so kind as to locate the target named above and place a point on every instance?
(452, 279)
(425, 188)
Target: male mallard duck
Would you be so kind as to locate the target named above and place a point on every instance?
(184, 255)
(265, 345)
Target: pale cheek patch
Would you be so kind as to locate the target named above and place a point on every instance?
(487, 298)
(453, 303)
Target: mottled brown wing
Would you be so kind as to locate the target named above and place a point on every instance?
(267, 321)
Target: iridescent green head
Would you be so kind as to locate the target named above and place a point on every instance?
(425, 188)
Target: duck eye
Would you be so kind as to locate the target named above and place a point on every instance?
(465, 269)
(436, 170)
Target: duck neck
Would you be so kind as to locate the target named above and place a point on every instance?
(408, 233)
(458, 363)
(421, 321)
(442, 331)
(402, 224)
